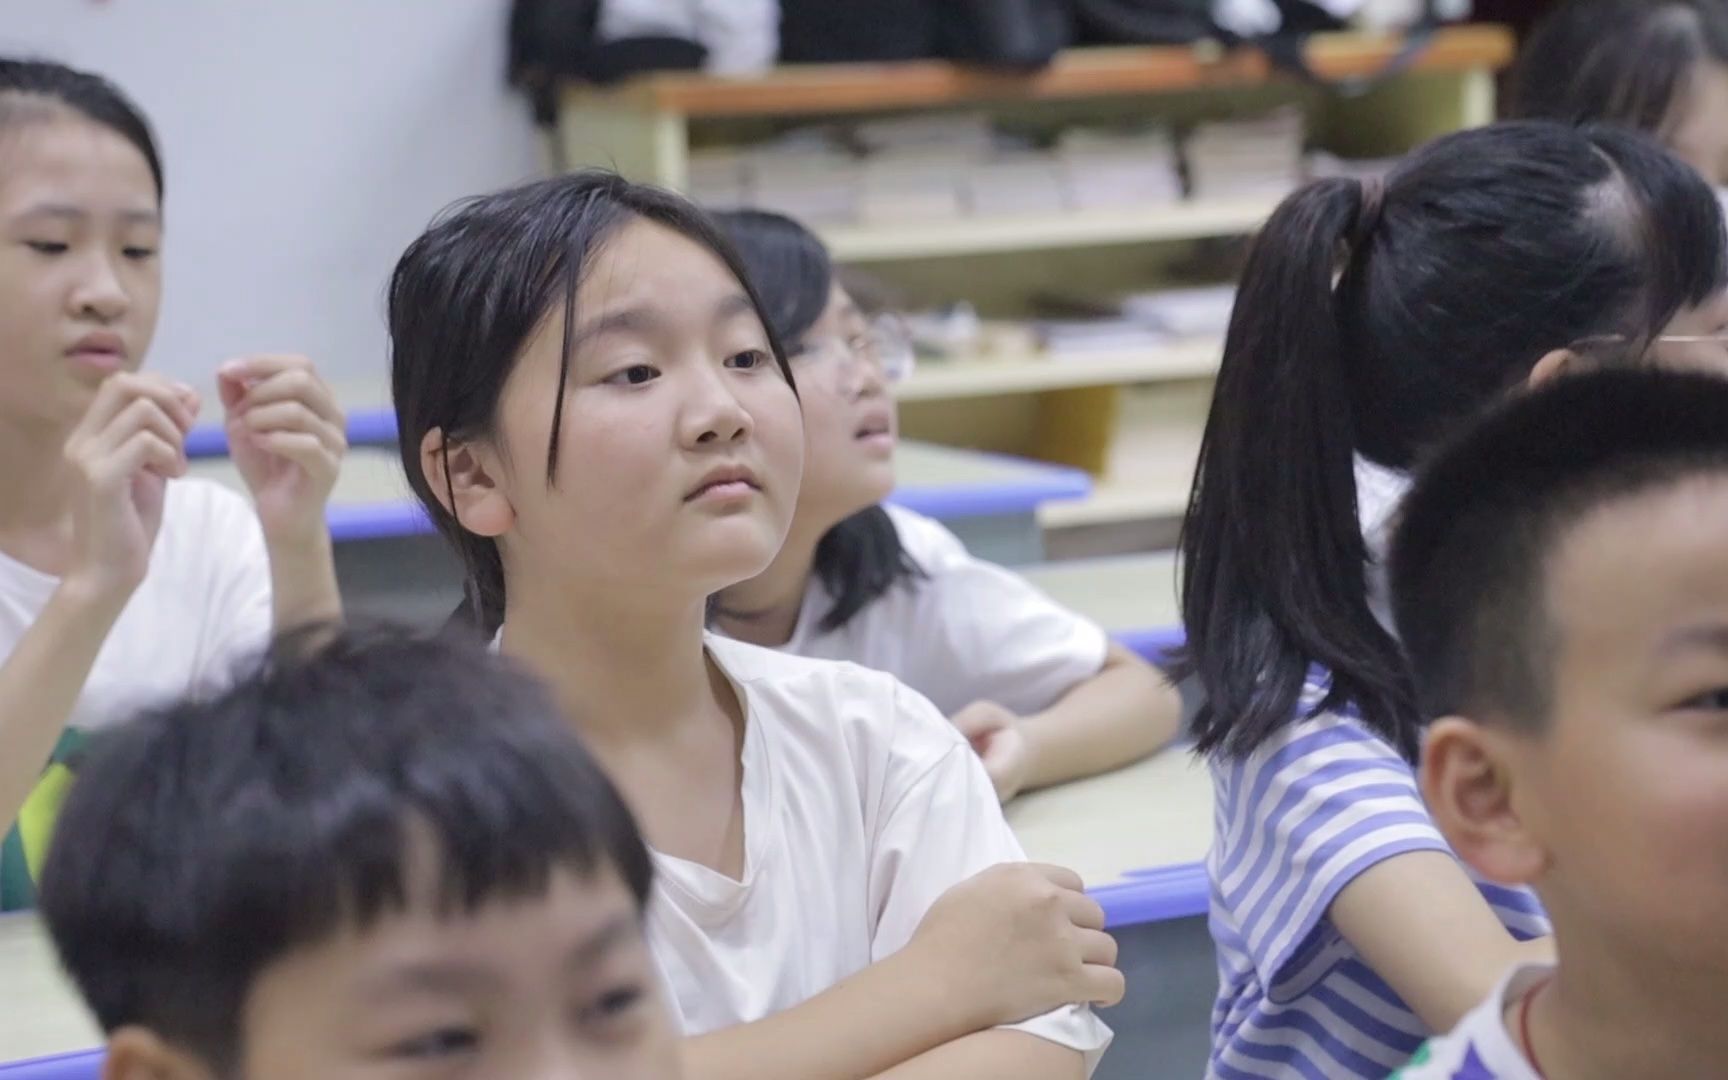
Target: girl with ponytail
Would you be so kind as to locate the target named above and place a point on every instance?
(1371, 321)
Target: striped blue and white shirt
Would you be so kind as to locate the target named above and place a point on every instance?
(1297, 821)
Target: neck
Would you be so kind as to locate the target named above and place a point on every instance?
(1609, 1015)
(625, 669)
(764, 610)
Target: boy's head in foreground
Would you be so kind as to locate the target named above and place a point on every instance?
(1560, 581)
(379, 856)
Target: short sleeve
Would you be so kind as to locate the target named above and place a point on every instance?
(238, 615)
(987, 634)
(940, 823)
(1300, 819)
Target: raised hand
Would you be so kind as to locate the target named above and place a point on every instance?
(121, 454)
(287, 437)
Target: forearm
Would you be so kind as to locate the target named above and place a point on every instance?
(999, 1054)
(41, 682)
(303, 579)
(889, 1013)
(1118, 716)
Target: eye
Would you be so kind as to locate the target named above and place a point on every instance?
(139, 254)
(748, 360)
(47, 247)
(1714, 701)
(443, 1042)
(613, 1005)
(634, 375)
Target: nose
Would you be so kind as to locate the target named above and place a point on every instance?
(713, 414)
(100, 295)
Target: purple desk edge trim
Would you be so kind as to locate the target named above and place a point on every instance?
(79, 1065)
(366, 427)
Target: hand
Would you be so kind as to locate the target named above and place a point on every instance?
(121, 455)
(286, 435)
(995, 735)
(1019, 940)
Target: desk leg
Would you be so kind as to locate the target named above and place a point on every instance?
(1163, 1027)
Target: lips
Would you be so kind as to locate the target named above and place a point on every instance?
(876, 423)
(725, 476)
(100, 346)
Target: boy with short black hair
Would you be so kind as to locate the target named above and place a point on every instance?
(376, 855)
(1560, 583)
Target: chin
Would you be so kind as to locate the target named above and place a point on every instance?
(721, 562)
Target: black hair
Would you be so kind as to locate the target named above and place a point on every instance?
(24, 82)
(467, 295)
(205, 840)
(1622, 62)
(860, 558)
(1373, 320)
(1469, 561)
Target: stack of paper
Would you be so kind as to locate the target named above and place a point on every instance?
(1246, 158)
(720, 179)
(1184, 313)
(1115, 169)
(809, 175)
(1016, 181)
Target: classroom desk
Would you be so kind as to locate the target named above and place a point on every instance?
(1133, 597)
(40, 1014)
(1137, 836)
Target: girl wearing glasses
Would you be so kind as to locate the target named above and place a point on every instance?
(1041, 692)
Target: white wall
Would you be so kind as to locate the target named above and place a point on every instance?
(306, 143)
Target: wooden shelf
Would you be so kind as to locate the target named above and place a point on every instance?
(1076, 73)
(1151, 461)
(1083, 228)
(944, 380)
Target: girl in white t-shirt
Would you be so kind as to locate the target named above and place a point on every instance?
(1039, 691)
(121, 582)
(596, 417)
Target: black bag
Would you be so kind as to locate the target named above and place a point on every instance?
(1017, 34)
(552, 40)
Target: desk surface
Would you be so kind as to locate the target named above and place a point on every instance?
(372, 499)
(39, 1012)
(1156, 814)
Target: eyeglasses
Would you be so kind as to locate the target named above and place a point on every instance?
(1720, 338)
(884, 343)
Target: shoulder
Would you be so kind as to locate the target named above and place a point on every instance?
(820, 699)
(930, 543)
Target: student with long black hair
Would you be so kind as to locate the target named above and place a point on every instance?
(1039, 691)
(1371, 321)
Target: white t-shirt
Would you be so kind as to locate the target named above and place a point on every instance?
(1480, 1047)
(1380, 493)
(968, 631)
(862, 805)
(203, 605)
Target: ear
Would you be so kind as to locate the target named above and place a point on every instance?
(1551, 366)
(136, 1053)
(1469, 785)
(463, 476)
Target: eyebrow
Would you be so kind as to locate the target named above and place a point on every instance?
(78, 213)
(595, 946)
(448, 978)
(1712, 636)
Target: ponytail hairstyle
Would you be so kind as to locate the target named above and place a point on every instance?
(1372, 320)
(28, 87)
(861, 557)
(1630, 63)
(466, 296)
